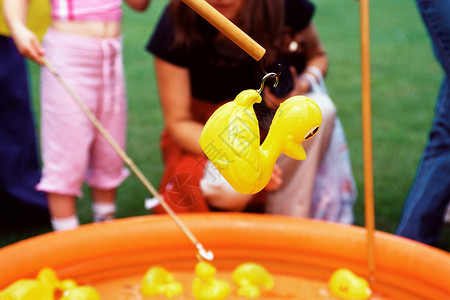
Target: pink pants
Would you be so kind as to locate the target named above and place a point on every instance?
(73, 151)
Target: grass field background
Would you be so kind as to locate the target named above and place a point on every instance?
(405, 83)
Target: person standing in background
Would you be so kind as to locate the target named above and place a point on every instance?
(84, 43)
(20, 168)
(198, 69)
(425, 207)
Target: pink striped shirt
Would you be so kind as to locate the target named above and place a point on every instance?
(87, 10)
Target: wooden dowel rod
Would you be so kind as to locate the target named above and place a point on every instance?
(367, 137)
(227, 27)
(127, 160)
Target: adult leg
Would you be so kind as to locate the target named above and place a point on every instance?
(20, 168)
(425, 206)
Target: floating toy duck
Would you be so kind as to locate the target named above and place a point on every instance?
(44, 287)
(250, 277)
(205, 286)
(80, 293)
(346, 285)
(231, 139)
(27, 289)
(159, 281)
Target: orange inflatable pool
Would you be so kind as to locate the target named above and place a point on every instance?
(125, 248)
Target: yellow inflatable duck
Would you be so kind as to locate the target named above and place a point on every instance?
(159, 281)
(250, 277)
(231, 140)
(205, 286)
(44, 287)
(346, 285)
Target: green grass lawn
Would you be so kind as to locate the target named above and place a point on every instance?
(405, 82)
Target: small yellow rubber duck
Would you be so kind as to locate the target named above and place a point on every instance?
(80, 293)
(159, 281)
(27, 289)
(251, 277)
(44, 286)
(346, 285)
(205, 286)
(231, 139)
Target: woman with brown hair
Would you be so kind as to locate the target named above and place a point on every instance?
(198, 69)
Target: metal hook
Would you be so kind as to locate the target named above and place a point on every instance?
(271, 75)
(203, 254)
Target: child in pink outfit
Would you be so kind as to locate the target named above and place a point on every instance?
(85, 46)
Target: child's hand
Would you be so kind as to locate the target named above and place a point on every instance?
(28, 44)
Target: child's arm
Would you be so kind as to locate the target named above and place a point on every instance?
(27, 43)
(139, 5)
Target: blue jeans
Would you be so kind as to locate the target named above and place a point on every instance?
(19, 160)
(425, 206)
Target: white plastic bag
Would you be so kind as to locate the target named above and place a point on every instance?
(335, 190)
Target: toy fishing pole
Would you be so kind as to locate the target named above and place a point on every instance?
(256, 51)
(367, 136)
(230, 30)
(202, 253)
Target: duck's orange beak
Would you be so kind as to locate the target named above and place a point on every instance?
(294, 150)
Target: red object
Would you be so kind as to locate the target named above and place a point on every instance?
(180, 183)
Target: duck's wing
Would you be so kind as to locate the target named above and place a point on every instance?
(230, 139)
(241, 163)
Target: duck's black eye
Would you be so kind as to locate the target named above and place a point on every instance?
(311, 132)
